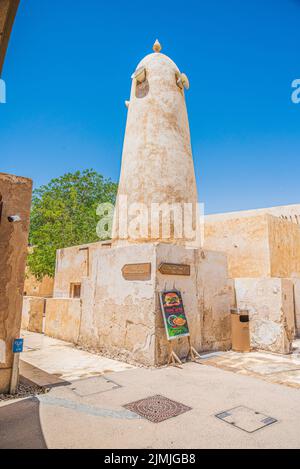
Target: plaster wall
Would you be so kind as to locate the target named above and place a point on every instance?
(256, 246)
(287, 212)
(16, 200)
(157, 162)
(122, 317)
(216, 295)
(271, 305)
(72, 264)
(38, 288)
(296, 283)
(63, 319)
(33, 314)
(118, 315)
(284, 240)
(246, 243)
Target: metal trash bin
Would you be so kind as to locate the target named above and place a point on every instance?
(240, 330)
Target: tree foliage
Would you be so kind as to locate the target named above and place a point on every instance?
(63, 214)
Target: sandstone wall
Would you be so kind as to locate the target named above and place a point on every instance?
(38, 288)
(118, 315)
(122, 317)
(73, 264)
(33, 314)
(271, 305)
(157, 162)
(216, 295)
(188, 288)
(297, 304)
(246, 243)
(284, 239)
(63, 319)
(287, 212)
(257, 246)
(16, 200)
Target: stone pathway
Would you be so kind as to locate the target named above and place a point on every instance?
(279, 369)
(90, 407)
(48, 361)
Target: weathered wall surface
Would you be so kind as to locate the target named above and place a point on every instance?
(16, 199)
(63, 319)
(257, 246)
(38, 288)
(271, 305)
(33, 314)
(188, 288)
(246, 243)
(287, 212)
(296, 283)
(216, 294)
(118, 315)
(72, 265)
(284, 240)
(157, 162)
(123, 317)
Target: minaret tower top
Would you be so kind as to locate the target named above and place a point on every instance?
(157, 162)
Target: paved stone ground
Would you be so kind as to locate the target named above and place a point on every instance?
(51, 361)
(89, 412)
(280, 369)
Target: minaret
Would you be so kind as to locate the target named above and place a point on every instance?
(157, 163)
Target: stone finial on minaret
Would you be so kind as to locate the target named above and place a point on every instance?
(157, 46)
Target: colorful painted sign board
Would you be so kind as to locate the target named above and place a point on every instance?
(175, 320)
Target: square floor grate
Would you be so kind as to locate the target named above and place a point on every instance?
(158, 408)
(246, 419)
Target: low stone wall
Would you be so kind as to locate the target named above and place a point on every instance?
(63, 319)
(122, 317)
(216, 295)
(33, 314)
(38, 288)
(118, 316)
(270, 302)
(297, 305)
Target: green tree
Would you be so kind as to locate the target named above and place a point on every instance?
(63, 214)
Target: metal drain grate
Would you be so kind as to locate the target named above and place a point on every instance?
(156, 409)
(246, 419)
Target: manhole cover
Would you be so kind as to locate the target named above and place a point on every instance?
(87, 387)
(246, 419)
(157, 408)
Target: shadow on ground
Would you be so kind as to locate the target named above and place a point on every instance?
(20, 426)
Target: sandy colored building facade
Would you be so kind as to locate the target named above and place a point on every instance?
(254, 265)
(257, 245)
(15, 202)
(106, 296)
(38, 288)
(121, 317)
(263, 252)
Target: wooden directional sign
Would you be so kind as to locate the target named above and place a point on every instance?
(137, 271)
(175, 269)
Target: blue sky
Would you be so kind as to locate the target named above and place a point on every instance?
(68, 73)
